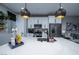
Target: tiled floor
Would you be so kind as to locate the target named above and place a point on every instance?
(34, 47)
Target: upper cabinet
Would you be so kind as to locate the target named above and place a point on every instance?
(58, 21)
(52, 19)
(38, 20)
(44, 21)
(31, 22)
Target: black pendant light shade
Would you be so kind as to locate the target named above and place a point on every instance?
(25, 13)
(60, 13)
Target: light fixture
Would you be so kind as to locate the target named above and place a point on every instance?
(25, 13)
(60, 13)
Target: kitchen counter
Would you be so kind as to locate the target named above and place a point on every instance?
(33, 47)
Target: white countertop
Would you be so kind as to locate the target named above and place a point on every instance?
(33, 47)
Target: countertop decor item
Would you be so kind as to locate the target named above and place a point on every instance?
(16, 39)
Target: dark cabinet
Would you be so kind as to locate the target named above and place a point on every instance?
(55, 30)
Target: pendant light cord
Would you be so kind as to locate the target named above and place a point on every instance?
(60, 5)
(25, 5)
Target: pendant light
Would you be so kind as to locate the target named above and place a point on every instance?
(60, 13)
(25, 13)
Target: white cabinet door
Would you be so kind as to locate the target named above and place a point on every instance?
(44, 22)
(58, 21)
(30, 26)
(30, 23)
(37, 20)
(51, 19)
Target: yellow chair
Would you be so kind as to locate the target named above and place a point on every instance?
(18, 38)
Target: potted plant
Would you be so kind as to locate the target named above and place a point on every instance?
(3, 16)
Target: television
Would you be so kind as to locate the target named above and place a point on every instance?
(11, 16)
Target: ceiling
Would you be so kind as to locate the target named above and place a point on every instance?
(72, 9)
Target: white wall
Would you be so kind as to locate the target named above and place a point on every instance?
(51, 19)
